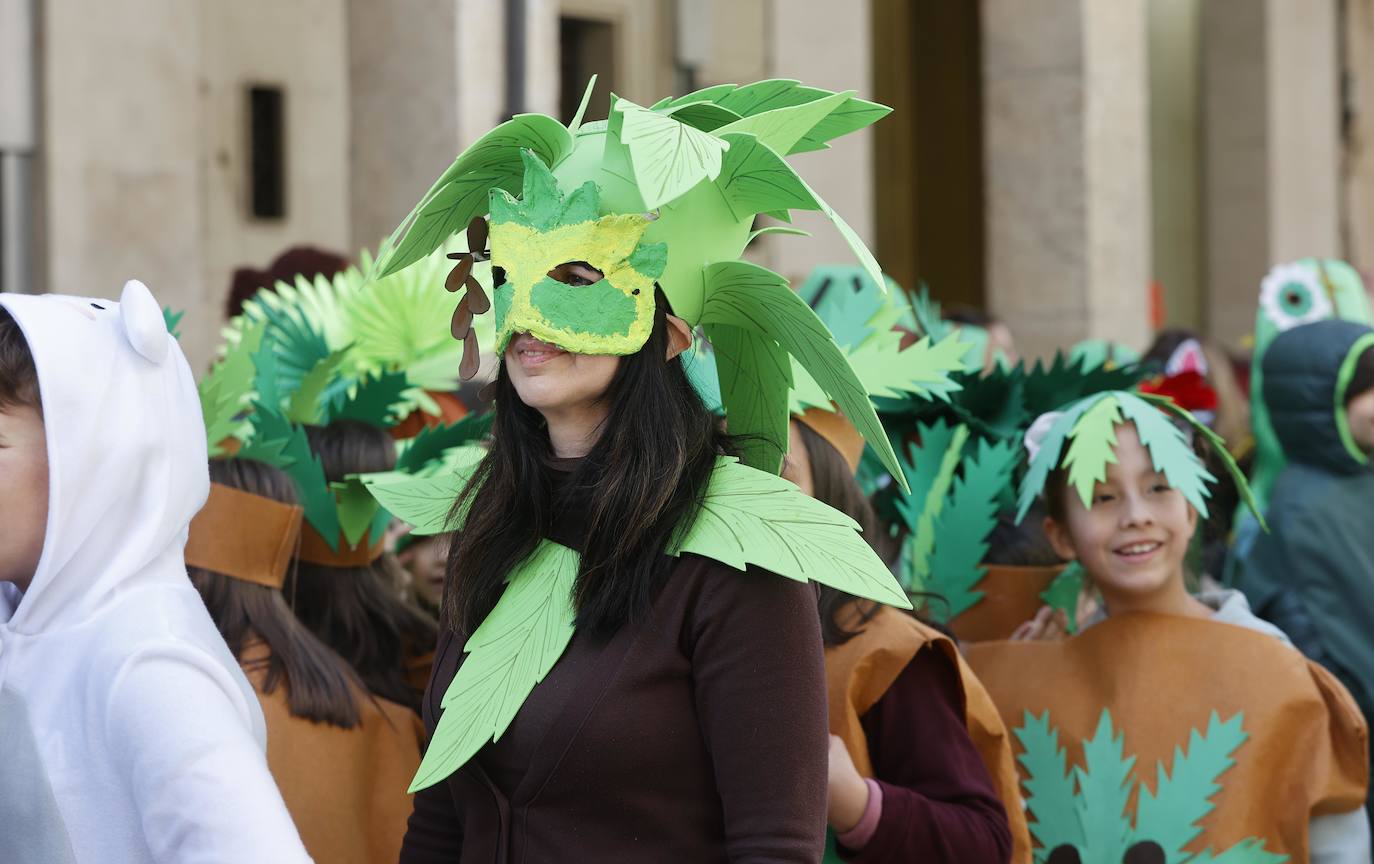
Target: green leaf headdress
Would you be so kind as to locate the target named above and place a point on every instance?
(1082, 440)
(666, 194)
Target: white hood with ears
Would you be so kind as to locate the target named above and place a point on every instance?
(131, 734)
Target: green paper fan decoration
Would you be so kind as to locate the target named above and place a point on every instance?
(702, 167)
(1083, 440)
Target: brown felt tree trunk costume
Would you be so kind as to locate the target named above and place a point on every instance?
(861, 670)
(1162, 677)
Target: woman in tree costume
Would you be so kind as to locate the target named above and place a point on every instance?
(340, 757)
(612, 683)
(1174, 728)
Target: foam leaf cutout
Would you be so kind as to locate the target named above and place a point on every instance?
(669, 157)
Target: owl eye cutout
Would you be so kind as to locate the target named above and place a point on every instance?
(1293, 295)
(576, 274)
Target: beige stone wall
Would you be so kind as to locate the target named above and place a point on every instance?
(146, 142)
(1065, 144)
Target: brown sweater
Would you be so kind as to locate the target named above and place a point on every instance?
(697, 735)
(345, 788)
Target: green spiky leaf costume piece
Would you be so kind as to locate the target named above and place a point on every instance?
(1082, 440)
(706, 165)
(930, 469)
(747, 517)
(1088, 807)
(1062, 595)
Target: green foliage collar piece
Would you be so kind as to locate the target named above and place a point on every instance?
(747, 517)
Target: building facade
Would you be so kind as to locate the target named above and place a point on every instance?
(1078, 168)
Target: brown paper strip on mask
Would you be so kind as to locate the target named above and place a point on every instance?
(244, 536)
(314, 550)
(836, 428)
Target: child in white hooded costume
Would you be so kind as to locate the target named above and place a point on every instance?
(129, 732)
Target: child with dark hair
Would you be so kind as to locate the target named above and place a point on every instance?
(342, 758)
(1313, 573)
(130, 733)
(920, 763)
(346, 597)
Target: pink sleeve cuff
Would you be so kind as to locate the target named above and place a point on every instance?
(858, 836)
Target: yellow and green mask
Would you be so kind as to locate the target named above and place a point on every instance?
(544, 229)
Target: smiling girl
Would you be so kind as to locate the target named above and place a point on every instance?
(1191, 699)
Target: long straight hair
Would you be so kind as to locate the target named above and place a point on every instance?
(358, 611)
(319, 685)
(641, 482)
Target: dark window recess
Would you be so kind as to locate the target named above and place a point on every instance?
(266, 153)
(586, 48)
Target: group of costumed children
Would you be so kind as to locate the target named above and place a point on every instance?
(836, 578)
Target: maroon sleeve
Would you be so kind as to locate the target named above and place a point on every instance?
(939, 804)
(759, 674)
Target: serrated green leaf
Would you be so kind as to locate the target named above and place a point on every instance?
(1048, 783)
(307, 403)
(1062, 594)
(963, 526)
(746, 296)
(668, 157)
(357, 510)
(755, 179)
(1170, 814)
(1170, 451)
(1047, 459)
(284, 445)
(1104, 785)
(172, 320)
(921, 509)
(753, 517)
(374, 401)
(508, 655)
(433, 442)
(226, 391)
(1249, 851)
(461, 192)
(754, 375)
(1092, 447)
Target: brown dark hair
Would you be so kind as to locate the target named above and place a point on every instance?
(18, 376)
(833, 483)
(646, 475)
(319, 685)
(357, 611)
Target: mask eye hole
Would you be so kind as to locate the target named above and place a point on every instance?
(576, 274)
(498, 277)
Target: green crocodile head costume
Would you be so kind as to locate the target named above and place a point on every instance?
(667, 196)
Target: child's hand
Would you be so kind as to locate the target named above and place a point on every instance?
(848, 793)
(1048, 623)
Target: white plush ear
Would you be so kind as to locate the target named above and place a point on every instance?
(143, 321)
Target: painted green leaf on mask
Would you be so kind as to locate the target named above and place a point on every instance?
(753, 517)
(508, 655)
(754, 375)
(963, 526)
(744, 295)
(668, 157)
(461, 192)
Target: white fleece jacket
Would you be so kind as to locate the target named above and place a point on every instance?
(128, 733)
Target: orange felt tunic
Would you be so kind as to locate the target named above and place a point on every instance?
(861, 670)
(345, 788)
(1162, 677)
(1011, 597)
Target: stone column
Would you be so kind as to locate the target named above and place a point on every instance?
(1066, 149)
(1271, 148)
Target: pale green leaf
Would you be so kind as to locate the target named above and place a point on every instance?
(1047, 459)
(782, 128)
(508, 655)
(426, 502)
(744, 295)
(1170, 451)
(668, 157)
(749, 516)
(754, 375)
(1092, 447)
(755, 179)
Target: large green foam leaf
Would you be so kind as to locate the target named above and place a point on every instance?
(753, 517)
(853, 240)
(425, 501)
(782, 128)
(461, 192)
(744, 295)
(755, 179)
(852, 115)
(1219, 448)
(704, 115)
(754, 375)
(961, 532)
(225, 392)
(668, 157)
(1049, 784)
(1104, 785)
(433, 442)
(508, 655)
(1170, 814)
